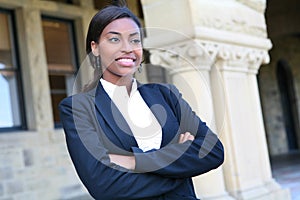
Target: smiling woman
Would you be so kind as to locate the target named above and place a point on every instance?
(129, 140)
(120, 51)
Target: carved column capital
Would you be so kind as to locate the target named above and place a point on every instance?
(243, 59)
(185, 56)
(201, 55)
(258, 5)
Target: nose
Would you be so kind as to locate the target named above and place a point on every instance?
(126, 47)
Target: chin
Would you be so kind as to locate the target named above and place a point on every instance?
(128, 71)
(123, 74)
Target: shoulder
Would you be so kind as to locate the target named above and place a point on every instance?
(163, 87)
(76, 99)
(169, 92)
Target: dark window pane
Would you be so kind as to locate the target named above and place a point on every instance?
(58, 42)
(57, 82)
(61, 58)
(5, 42)
(64, 1)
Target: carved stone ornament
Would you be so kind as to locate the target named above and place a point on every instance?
(243, 59)
(185, 56)
(236, 16)
(258, 5)
(233, 25)
(201, 55)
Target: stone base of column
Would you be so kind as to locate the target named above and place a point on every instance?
(210, 186)
(269, 191)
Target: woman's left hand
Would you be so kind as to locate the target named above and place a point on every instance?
(185, 137)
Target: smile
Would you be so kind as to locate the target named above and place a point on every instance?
(126, 62)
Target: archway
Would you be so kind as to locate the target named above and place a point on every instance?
(288, 103)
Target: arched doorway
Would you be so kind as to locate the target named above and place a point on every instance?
(288, 103)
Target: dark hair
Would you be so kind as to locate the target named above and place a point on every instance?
(103, 18)
(97, 24)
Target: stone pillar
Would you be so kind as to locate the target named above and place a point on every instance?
(86, 71)
(34, 69)
(213, 50)
(189, 65)
(247, 169)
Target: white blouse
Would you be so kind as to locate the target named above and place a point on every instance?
(143, 124)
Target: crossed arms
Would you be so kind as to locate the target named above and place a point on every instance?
(197, 151)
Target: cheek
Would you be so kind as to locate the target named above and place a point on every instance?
(107, 56)
(139, 53)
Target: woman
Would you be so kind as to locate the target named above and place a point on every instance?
(129, 140)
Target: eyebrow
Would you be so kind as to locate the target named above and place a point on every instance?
(117, 33)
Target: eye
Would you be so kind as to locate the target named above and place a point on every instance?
(135, 41)
(114, 39)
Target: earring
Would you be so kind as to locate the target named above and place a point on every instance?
(140, 69)
(97, 62)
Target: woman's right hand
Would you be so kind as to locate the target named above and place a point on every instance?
(127, 162)
(185, 137)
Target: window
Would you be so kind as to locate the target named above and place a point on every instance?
(63, 1)
(59, 38)
(11, 104)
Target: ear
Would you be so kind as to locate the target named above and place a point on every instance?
(95, 49)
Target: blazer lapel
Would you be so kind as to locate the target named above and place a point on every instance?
(121, 134)
(157, 104)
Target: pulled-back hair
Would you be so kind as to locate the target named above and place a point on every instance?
(96, 27)
(103, 18)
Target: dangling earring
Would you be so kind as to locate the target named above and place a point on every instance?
(97, 62)
(140, 69)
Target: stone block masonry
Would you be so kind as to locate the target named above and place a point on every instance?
(34, 167)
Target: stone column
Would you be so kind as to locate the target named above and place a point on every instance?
(189, 65)
(35, 70)
(229, 43)
(247, 169)
(86, 72)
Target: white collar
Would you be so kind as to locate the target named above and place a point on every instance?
(110, 87)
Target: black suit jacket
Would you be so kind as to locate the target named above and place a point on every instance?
(94, 127)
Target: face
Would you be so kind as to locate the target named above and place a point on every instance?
(120, 49)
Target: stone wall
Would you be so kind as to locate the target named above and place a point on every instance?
(286, 48)
(283, 28)
(36, 165)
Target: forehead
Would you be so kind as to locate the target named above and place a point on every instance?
(123, 25)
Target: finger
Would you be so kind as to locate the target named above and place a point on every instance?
(181, 136)
(186, 136)
(191, 137)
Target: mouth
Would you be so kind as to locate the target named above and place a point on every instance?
(126, 61)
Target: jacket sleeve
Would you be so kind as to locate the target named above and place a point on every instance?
(104, 180)
(190, 158)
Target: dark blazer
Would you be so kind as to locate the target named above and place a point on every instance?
(94, 127)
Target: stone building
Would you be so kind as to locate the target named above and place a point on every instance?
(211, 50)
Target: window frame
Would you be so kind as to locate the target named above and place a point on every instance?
(17, 69)
(74, 55)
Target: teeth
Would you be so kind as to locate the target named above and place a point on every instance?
(125, 60)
